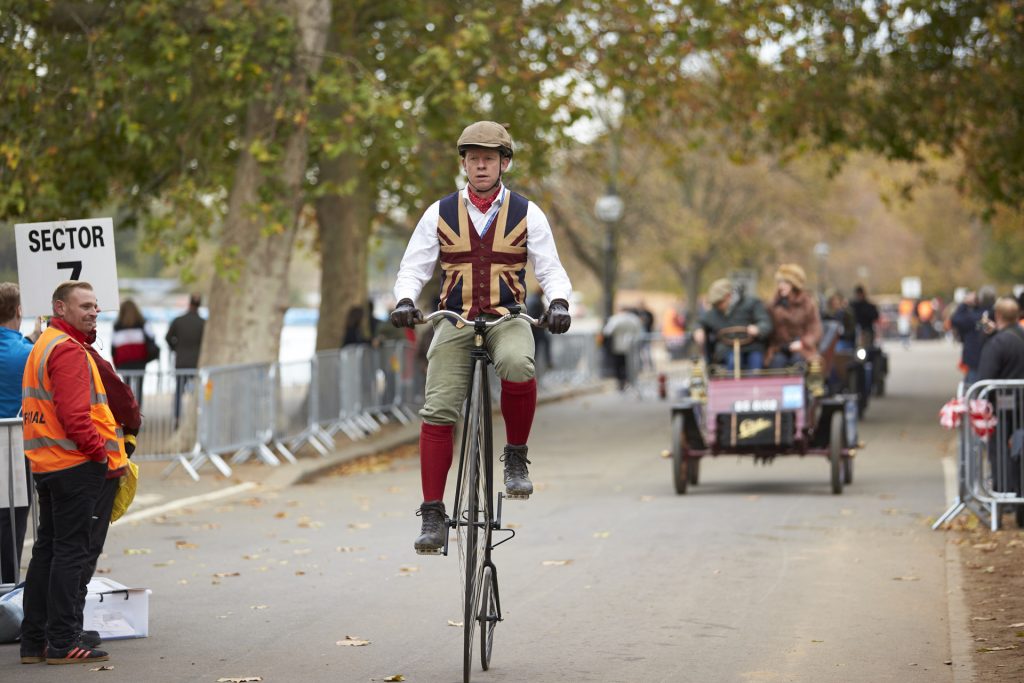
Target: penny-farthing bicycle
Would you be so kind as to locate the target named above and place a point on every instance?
(476, 512)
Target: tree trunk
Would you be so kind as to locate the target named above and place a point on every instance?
(691, 283)
(344, 229)
(250, 289)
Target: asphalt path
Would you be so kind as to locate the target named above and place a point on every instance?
(757, 574)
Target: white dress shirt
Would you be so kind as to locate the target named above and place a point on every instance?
(424, 248)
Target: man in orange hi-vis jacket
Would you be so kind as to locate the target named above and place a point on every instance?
(72, 440)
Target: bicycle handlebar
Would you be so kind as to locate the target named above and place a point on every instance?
(542, 322)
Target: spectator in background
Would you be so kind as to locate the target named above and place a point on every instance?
(621, 332)
(1002, 357)
(354, 332)
(14, 350)
(968, 320)
(541, 343)
(866, 315)
(133, 346)
(185, 339)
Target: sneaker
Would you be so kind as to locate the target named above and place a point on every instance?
(32, 654)
(77, 653)
(433, 530)
(517, 476)
(90, 638)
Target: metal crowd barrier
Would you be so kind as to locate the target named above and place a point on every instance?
(270, 411)
(16, 500)
(655, 367)
(990, 478)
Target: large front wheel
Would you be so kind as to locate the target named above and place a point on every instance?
(490, 615)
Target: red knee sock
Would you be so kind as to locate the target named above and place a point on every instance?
(518, 403)
(435, 458)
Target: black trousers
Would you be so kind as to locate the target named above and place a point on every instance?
(97, 537)
(67, 500)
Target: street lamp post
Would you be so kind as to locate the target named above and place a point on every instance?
(608, 208)
(821, 250)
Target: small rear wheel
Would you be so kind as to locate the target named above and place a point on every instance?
(488, 615)
(835, 450)
(693, 471)
(847, 469)
(679, 452)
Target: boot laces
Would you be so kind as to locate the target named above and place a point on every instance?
(433, 517)
(515, 462)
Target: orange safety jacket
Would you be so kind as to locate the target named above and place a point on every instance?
(46, 444)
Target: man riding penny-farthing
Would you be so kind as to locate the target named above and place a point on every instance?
(743, 409)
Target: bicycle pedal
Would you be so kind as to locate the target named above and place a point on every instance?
(420, 551)
(517, 496)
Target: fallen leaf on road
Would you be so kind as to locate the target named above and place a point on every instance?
(168, 563)
(891, 511)
(513, 525)
(137, 551)
(602, 534)
(103, 570)
(846, 512)
(997, 649)
(349, 549)
(906, 578)
(281, 515)
(556, 563)
(983, 618)
(308, 523)
(182, 581)
(408, 569)
(105, 667)
(989, 570)
(185, 545)
(221, 575)
(987, 547)
(302, 551)
(646, 499)
(666, 453)
(1017, 625)
(241, 679)
(396, 677)
(394, 489)
(300, 573)
(458, 624)
(257, 607)
(1015, 543)
(817, 641)
(250, 557)
(359, 525)
(352, 641)
(253, 502)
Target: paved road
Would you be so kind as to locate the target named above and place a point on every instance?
(758, 574)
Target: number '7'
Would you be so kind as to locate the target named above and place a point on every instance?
(74, 266)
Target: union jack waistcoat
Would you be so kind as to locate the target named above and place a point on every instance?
(482, 273)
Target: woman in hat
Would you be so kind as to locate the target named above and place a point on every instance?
(796, 324)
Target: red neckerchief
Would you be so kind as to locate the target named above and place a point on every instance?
(481, 203)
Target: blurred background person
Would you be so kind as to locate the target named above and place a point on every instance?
(185, 338)
(968, 321)
(14, 350)
(132, 346)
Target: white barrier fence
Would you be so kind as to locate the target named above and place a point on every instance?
(990, 478)
(228, 414)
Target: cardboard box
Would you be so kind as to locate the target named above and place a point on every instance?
(116, 611)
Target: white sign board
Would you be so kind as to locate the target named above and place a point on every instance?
(50, 253)
(910, 288)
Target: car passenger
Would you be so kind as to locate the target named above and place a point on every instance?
(728, 310)
(796, 324)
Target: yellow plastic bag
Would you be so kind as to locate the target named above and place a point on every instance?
(125, 492)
